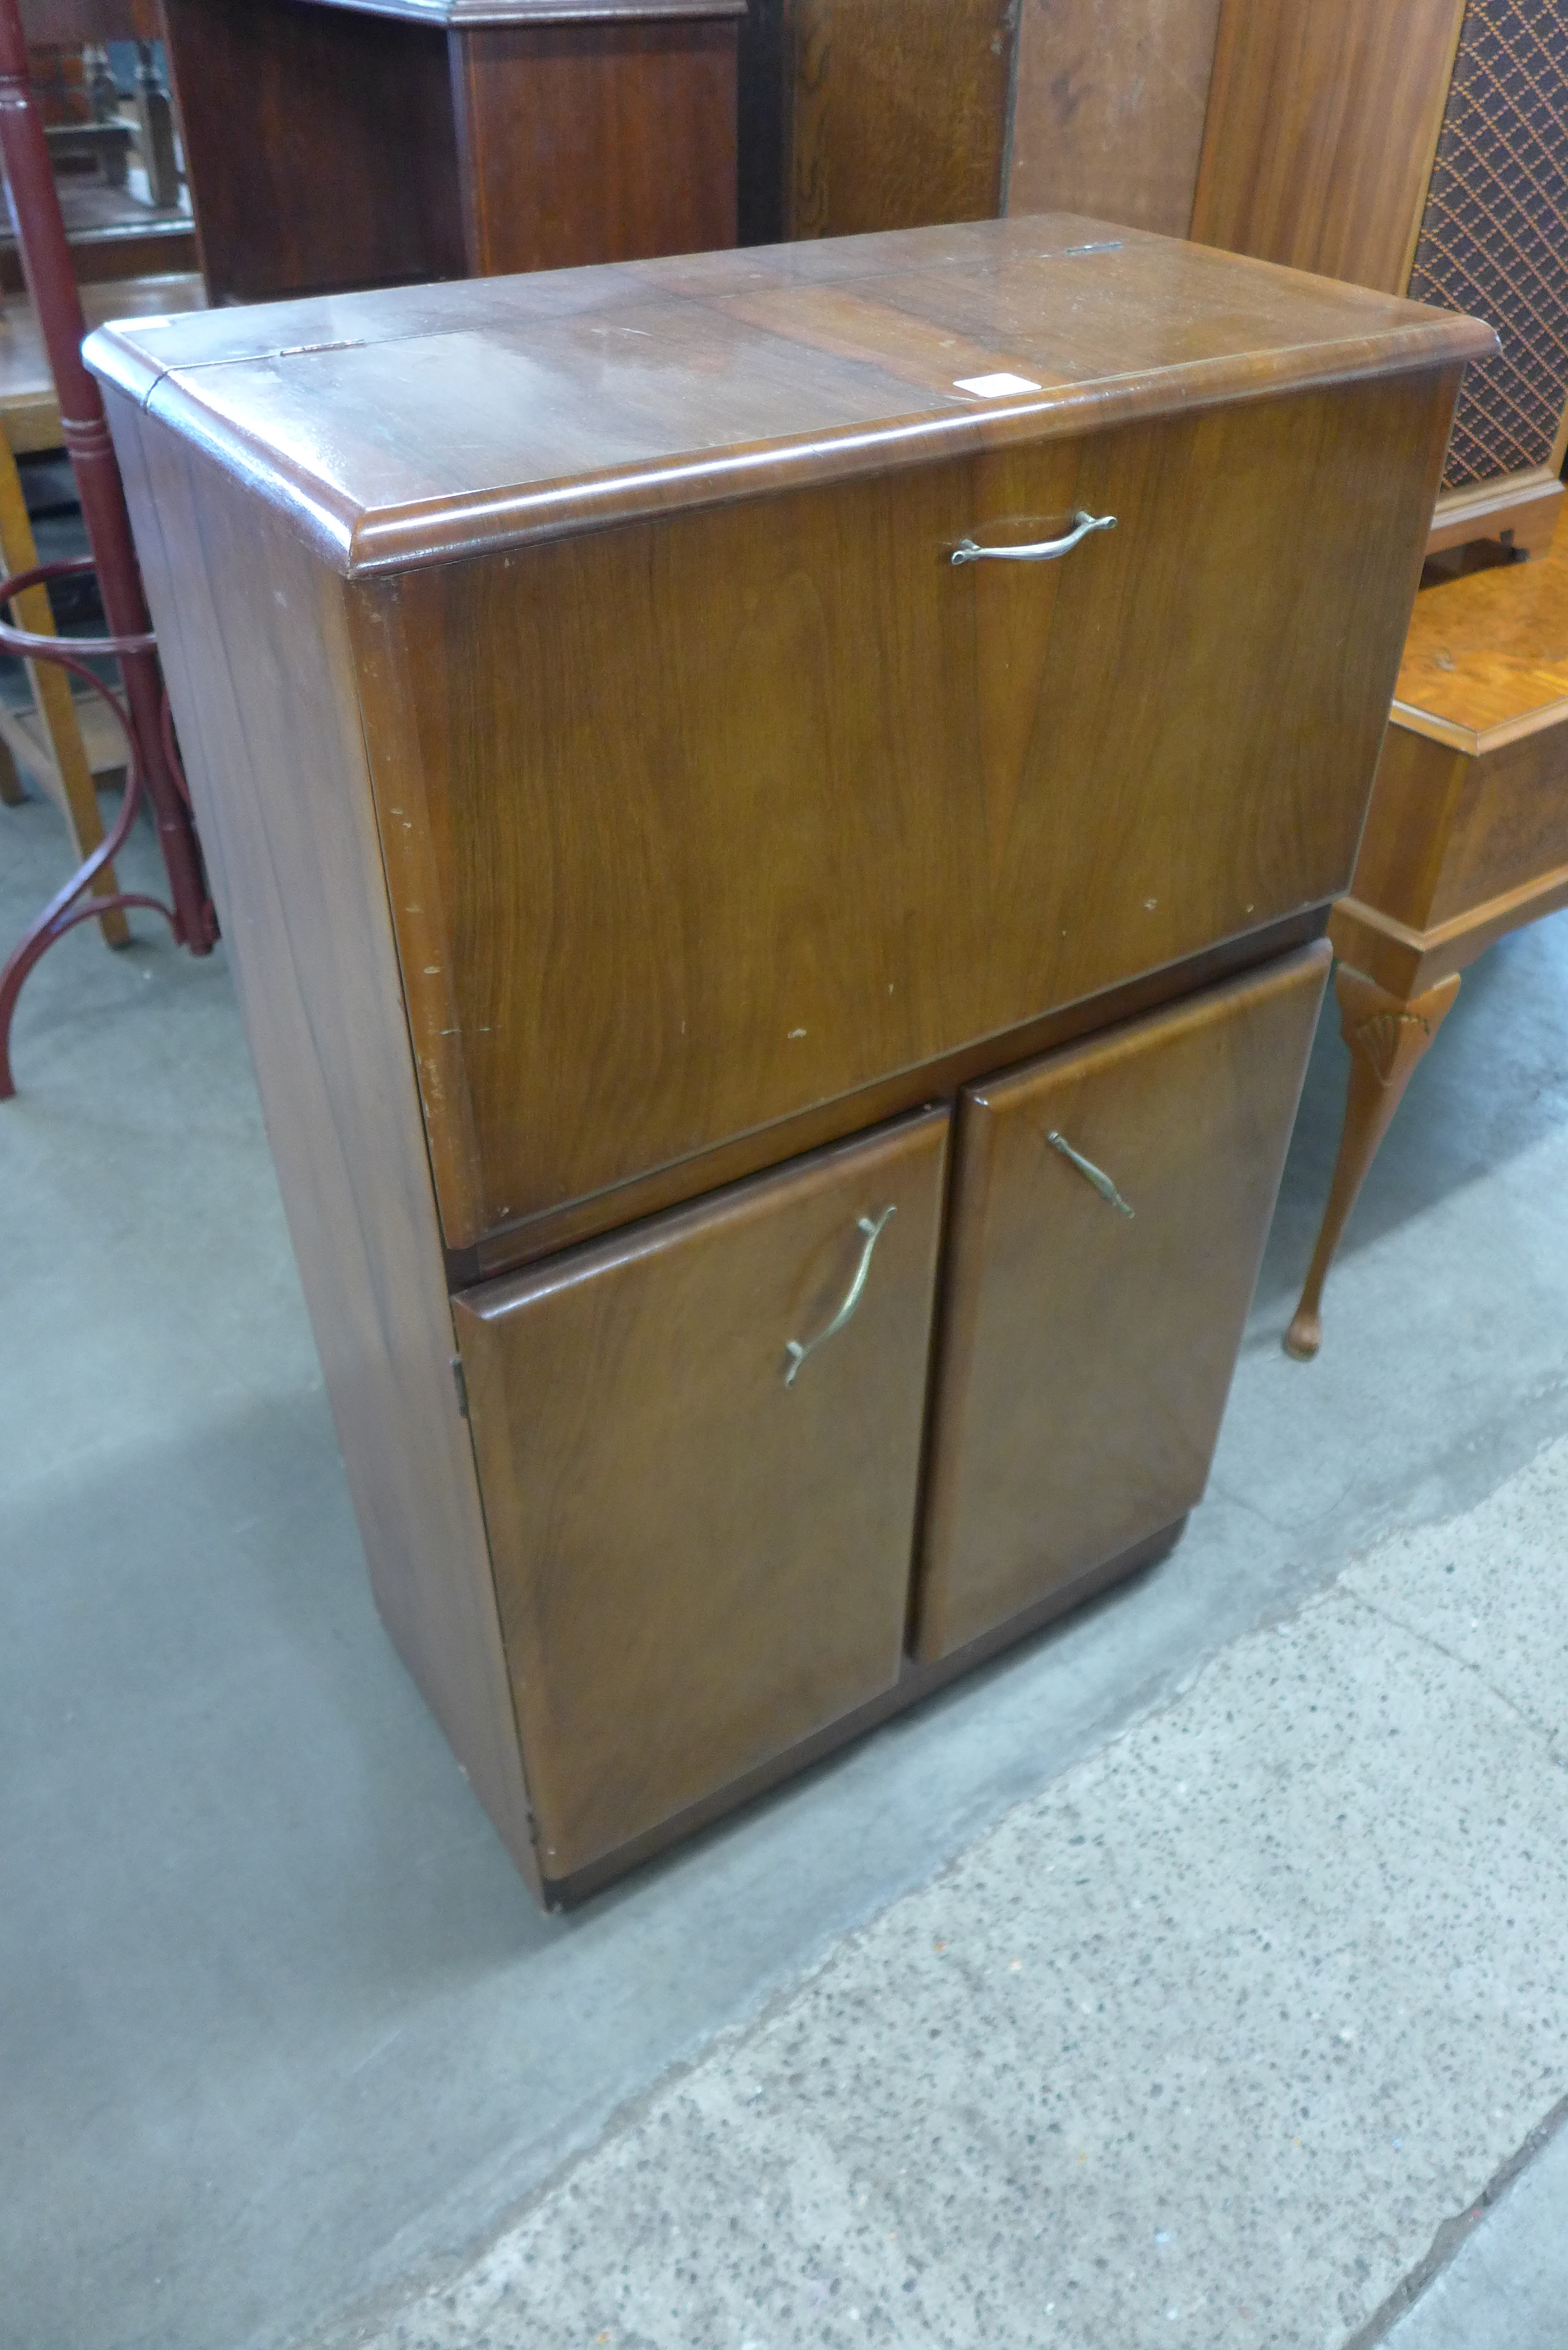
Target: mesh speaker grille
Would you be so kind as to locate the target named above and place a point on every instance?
(1494, 235)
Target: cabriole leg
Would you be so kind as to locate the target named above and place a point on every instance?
(1387, 1035)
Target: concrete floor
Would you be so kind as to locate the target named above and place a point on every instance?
(281, 2029)
(1190, 2048)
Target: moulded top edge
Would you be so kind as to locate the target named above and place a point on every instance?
(421, 424)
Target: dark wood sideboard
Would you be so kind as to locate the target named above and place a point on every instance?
(779, 1032)
(336, 143)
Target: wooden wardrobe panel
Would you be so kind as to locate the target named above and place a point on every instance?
(1108, 109)
(596, 141)
(766, 67)
(1322, 122)
(1087, 1351)
(702, 1560)
(897, 112)
(661, 802)
(320, 146)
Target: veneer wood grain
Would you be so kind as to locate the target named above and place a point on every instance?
(1488, 649)
(917, 1681)
(1322, 126)
(1089, 1341)
(515, 1244)
(1108, 109)
(1469, 804)
(698, 1564)
(604, 141)
(781, 756)
(896, 112)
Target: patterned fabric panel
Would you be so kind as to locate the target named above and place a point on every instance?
(1494, 235)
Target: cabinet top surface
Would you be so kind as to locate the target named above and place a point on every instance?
(427, 422)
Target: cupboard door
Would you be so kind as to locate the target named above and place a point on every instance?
(699, 1447)
(1110, 1207)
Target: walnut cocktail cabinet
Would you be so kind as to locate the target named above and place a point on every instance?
(774, 814)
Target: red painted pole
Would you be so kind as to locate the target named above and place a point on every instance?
(40, 229)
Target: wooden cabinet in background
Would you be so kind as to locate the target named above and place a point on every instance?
(1413, 146)
(660, 734)
(1466, 839)
(871, 114)
(1108, 102)
(340, 143)
(1417, 149)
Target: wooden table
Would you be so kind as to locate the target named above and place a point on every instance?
(1466, 839)
(335, 143)
(780, 1012)
(29, 404)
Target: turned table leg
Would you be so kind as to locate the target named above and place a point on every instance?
(1387, 1035)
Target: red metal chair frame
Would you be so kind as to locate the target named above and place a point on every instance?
(154, 766)
(73, 904)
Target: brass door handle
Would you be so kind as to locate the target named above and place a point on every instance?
(1097, 1175)
(1047, 551)
(798, 1350)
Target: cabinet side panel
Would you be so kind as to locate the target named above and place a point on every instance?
(1108, 118)
(260, 677)
(1322, 122)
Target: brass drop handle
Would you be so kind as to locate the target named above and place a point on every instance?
(1048, 550)
(794, 1348)
(1097, 1175)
